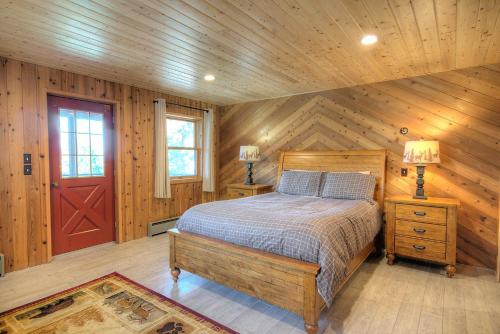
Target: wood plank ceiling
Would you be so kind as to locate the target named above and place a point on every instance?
(255, 49)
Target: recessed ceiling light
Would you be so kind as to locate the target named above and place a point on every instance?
(209, 77)
(369, 39)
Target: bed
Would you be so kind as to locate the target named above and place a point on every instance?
(276, 272)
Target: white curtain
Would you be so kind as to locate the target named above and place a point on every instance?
(208, 151)
(162, 178)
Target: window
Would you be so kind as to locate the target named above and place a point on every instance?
(82, 143)
(183, 137)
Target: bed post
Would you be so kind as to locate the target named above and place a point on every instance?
(175, 274)
(175, 271)
(311, 304)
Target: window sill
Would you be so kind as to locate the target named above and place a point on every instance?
(180, 180)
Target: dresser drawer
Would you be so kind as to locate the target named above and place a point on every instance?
(419, 213)
(421, 230)
(239, 193)
(421, 249)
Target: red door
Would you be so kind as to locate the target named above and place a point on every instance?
(81, 173)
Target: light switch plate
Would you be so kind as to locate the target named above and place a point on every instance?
(27, 170)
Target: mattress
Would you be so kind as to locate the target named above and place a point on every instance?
(329, 232)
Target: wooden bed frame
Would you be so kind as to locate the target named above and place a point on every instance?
(279, 280)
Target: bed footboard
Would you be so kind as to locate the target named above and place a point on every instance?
(284, 282)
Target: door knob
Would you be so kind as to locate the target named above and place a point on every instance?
(55, 184)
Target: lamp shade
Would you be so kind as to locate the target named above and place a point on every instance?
(249, 153)
(421, 152)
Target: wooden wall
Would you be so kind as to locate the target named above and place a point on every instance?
(461, 109)
(24, 200)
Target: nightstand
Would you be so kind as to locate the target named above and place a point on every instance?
(240, 190)
(422, 229)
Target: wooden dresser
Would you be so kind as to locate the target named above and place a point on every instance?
(422, 229)
(240, 190)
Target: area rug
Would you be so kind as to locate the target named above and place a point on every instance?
(109, 304)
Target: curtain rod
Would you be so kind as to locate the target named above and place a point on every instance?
(183, 105)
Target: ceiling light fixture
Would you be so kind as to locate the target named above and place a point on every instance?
(369, 39)
(209, 77)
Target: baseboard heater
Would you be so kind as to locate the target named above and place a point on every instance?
(161, 226)
(2, 265)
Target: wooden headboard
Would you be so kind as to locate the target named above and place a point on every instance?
(338, 161)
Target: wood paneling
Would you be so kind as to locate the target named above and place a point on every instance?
(255, 49)
(24, 200)
(461, 109)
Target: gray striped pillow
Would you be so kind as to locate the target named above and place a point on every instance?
(349, 186)
(304, 183)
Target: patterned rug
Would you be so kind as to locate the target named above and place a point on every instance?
(110, 304)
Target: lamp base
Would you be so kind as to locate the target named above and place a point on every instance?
(249, 179)
(419, 193)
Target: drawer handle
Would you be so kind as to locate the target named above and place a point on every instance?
(418, 247)
(419, 213)
(419, 230)
(241, 194)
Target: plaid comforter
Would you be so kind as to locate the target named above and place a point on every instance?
(329, 232)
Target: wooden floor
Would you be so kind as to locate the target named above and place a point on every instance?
(405, 298)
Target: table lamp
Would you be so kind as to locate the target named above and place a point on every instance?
(249, 154)
(421, 153)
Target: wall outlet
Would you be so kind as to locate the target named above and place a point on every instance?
(404, 171)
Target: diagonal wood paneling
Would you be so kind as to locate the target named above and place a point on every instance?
(461, 109)
(256, 49)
